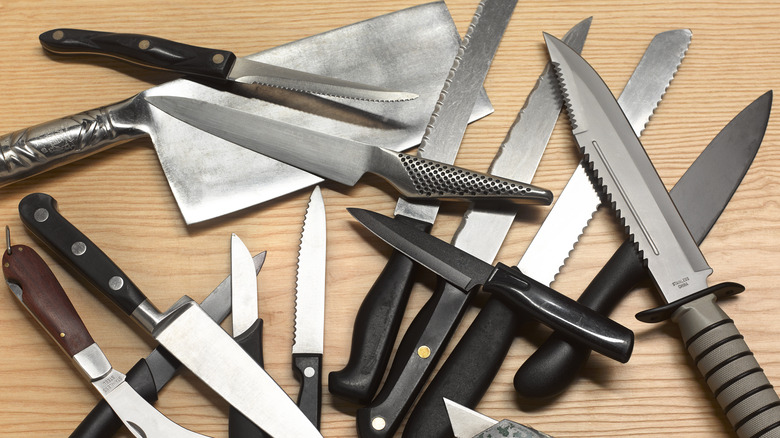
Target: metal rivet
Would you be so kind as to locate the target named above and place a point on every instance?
(78, 248)
(116, 282)
(41, 215)
(62, 335)
(58, 35)
(424, 352)
(144, 44)
(6, 265)
(309, 372)
(218, 58)
(378, 423)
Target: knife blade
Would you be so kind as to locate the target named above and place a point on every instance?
(155, 52)
(36, 287)
(185, 330)
(470, 424)
(326, 155)
(310, 308)
(379, 317)
(669, 251)
(700, 196)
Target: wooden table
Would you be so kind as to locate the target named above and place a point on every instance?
(121, 200)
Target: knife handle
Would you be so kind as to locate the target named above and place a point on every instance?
(145, 50)
(376, 327)
(729, 368)
(556, 363)
(308, 371)
(252, 342)
(39, 214)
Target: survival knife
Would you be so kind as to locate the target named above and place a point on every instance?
(160, 53)
(466, 423)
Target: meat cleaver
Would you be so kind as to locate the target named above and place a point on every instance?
(210, 177)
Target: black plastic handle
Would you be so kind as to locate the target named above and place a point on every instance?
(308, 371)
(376, 327)
(39, 214)
(252, 342)
(141, 49)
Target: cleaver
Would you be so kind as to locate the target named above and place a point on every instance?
(210, 177)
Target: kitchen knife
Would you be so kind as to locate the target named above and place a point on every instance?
(35, 286)
(379, 317)
(247, 326)
(192, 160)
(310, 309)
(669, 252)
(466, 423)
(186, 331)
(164, 54)
(700, 196)
(468, 272)
(346, 161)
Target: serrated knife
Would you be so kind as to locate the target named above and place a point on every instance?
(310, 309)
(622, 169)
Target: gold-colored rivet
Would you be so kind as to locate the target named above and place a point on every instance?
(144, 44)
(378, 423)
(424, 352)
(62, 335)
(6, 265)
(58, 35)
(218, 58)
(20, 249)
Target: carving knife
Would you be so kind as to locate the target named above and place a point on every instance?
(36, 287)
(185, 330)
(151, 51)
(380, 314)
(466, 423)
(346, 161)
(310, 309)
(247, 326)
(627, 177)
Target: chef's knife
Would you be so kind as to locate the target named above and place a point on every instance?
(346, 161)
(247, 326)
(35, 286)
(182, 58)
(700, 196)
(627, 176)
(192, 160)
(466, 423)
(310, 309)
(185, 330)
(379, 317)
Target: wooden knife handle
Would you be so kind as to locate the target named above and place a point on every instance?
(43, 296)
(141, 49)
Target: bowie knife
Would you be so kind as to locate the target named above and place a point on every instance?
(621, 168)
(310, 309)
(185, 330)
(36, 287)
(466, 423)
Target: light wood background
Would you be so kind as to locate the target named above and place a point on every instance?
(120, 198)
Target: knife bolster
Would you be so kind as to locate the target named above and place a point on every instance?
(665, 312)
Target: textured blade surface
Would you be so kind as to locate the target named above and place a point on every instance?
(244, 286)
(310, 279)
(576, 204)
(465, 422)
(625, 173)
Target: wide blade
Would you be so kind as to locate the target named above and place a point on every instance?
(310, 280)
(627, 176)
(243, 281)
(465, 422)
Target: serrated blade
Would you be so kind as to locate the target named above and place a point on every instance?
(310, 280)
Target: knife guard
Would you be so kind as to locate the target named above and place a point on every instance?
(252, 342)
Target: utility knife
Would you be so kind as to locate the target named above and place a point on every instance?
(466, 423)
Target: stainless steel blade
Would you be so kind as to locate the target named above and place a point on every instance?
(466, 423)
(310, 280)
(243, 284)
(576, 204)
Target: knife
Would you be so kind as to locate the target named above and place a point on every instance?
(466, 423)
(310, 309)
(700, 196)
(379, 317)
(247, 327)
(185, 330)
(669, 252)
(36, 287)
(346, 161)
(182, 58)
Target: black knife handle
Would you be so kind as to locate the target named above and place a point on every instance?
(555, 365)
(376, 327)
(141, 49)
(102, 422)
(39, 214)
(308, 371)
(468, 371)
(252, 342)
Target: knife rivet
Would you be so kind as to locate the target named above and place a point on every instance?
(78, 248)
(62, 335)
(309, 372)
(41, 215)
(218, 58)
(116, 282)
(58, 35)
(144, 44)
(424, 352)
(378, 423)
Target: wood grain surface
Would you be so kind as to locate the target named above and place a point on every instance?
(121, 200)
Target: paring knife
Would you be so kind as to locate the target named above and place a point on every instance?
(185, 330)
(164, 54)
(247, 326)
(700, 196)
(624, 172)
(310, 309)
(35, 286)
(346, 161)
(466, 423)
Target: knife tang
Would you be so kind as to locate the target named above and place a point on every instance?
(376, 327)
(252, 342)
(308, 371)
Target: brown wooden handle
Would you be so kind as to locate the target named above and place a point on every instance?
(44, 297)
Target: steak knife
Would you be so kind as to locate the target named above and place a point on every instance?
(36, 287)
(164, 54)
(668, 250)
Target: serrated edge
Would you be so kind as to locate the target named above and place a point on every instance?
(298, 285)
